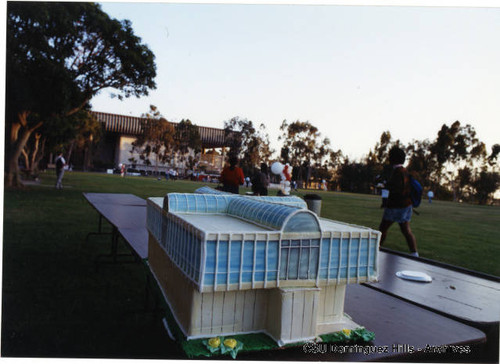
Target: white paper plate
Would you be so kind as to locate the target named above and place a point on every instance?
(414, 276)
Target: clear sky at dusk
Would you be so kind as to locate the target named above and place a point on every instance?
(352, 71)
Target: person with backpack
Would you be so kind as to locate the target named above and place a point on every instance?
(399, 206)
(60, 164)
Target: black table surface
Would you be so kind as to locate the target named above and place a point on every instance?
(401, 325)
(456, 294)
(403, 332)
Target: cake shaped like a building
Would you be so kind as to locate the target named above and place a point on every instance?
(230, 264)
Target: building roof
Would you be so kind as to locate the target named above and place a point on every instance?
(131, 125)
(237, 242)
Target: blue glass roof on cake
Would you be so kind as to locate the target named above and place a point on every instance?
(226, 242)
(286, 200)
(256, 211)
(197, 203)
(211, 191)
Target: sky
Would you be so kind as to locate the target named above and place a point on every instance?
(352, 71)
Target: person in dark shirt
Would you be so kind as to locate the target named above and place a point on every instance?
(232, 176)
(260, 181)
(399, 206)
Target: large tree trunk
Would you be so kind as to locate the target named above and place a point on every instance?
(70, 152)
(30, 154)
(14, 131)
(25, 153)
(13, 176)
(35, 151)
(39, 157)
(88, 156)
(17, 144)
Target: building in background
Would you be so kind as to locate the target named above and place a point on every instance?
(120, 131)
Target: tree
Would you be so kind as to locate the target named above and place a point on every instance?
(464, 182)
(303, 148)
(250, 145)
(485, 185)
(354, 177)
(493, 157)
(456, 144)
(187, 143)
(87, 131)
(265, 150)
(164, 142)
(157, 139)
(335, 162)
(455, 147)
(375, 163)
(382, 147)
(321, 153)
(421, 164)
(59, 55)
(320, 162)
(81, 131)
(300, 141)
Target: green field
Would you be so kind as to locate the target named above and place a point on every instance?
(56, 303)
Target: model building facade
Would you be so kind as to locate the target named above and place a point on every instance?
(231, 264)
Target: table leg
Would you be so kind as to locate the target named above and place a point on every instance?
(99, 231)
(146, 291)
(115, 236)
(114, 244)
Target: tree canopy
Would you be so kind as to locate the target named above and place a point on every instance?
(187, 142)
(59, 55)
(300, 142)
(455, 165)
(163, 142)
(156, 140)
(250, 145)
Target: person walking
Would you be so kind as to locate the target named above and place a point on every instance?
(430, 196)
(60, 164)
(399, 206)
(260, 181)
(232, 176)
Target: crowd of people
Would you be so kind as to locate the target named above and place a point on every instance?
(397, 204)
(232, 178)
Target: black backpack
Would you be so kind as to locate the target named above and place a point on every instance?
(59, 164)
(415, 192)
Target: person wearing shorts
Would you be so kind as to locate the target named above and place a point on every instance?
(399, 206)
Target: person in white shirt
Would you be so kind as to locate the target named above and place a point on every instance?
(60, 164)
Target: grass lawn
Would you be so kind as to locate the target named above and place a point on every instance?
(56, 304)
